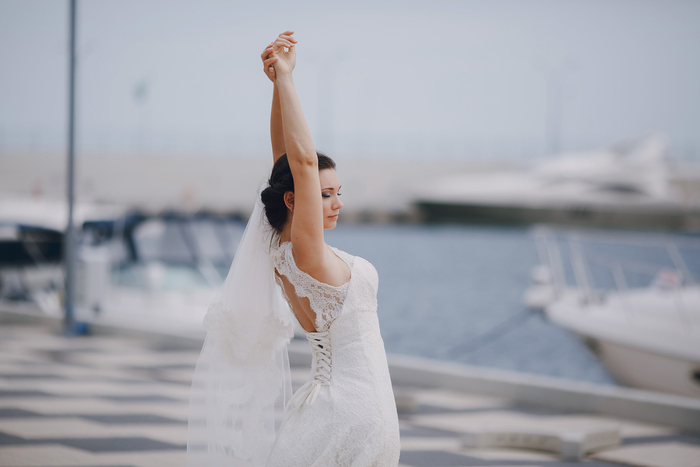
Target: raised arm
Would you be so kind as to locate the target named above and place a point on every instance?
(276, 128)
(310, 250)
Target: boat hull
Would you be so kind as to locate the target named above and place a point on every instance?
(589, 216)
(647, 369)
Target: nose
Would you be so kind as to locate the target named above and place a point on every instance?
(338, 204)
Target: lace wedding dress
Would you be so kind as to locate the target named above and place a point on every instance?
(345, 415)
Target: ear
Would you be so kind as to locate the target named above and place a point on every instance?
(289, 200)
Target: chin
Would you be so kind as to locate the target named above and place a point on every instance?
(330, 225)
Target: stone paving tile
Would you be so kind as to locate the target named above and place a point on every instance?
(654, 455)
(628, 428)
(49, 427)
(36, 429)
(144, 459)
(17, 413)
(462, 422)
(422, 432)
(130, 419)
(107, 388)
(121, 402)
(436, 458)
(21, 377)
(429, 444)
(501, 455)
(177, 410)
(14, 393)
(60, 456)
(87, 405)
(118, 444)
(146, 398)
(456, 401)
(692, 439)
(49, 455)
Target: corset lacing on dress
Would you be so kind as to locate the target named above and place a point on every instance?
(320, 370)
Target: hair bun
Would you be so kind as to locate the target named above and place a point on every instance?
(280, 182)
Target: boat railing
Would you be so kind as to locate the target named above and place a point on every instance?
(592, 264)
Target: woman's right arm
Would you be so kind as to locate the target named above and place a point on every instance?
(310, 252)
(276, 128)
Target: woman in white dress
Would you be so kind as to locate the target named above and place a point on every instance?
(345, 415)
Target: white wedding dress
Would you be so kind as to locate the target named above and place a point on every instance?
(346, 414)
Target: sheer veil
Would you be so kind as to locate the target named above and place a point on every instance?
(242, 381)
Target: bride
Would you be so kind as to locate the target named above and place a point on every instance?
(241, 412)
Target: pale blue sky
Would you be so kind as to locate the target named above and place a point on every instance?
(453, 79)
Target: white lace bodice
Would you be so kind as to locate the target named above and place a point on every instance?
(345, 415)
(325, 300)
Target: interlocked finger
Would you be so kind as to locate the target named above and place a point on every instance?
(287, 37)
(269, 61)
(283, 42)
(267, 51)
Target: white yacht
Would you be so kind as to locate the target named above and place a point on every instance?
(31, 246)
(638, 312)
(160, 270)
(632, 184)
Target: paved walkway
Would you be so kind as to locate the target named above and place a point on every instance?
(116, 401)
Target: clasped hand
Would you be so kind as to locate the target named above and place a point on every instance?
(276, 60)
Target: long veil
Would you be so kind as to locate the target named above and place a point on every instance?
(242, 381)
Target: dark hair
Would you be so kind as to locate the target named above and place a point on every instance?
(280, 182)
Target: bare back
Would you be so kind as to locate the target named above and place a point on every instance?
(301, 306)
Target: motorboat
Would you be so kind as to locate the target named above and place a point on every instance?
(161, 270)
(634, 300)
(631, 184)
(32, 231)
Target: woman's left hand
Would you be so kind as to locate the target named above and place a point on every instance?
(286, 59)
(268, 58)
(275, 51)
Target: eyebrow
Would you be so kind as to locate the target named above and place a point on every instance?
(331, 188)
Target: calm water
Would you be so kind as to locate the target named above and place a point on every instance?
(442, 287)
(455, 292)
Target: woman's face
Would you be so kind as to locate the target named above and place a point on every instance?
(330, 186)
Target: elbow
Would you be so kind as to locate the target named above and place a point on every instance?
(307, 159)
(310, 160)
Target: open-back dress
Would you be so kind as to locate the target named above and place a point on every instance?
(345, 415)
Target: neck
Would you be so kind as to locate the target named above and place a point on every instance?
(286, 234)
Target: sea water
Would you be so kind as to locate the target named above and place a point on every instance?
(455, 293)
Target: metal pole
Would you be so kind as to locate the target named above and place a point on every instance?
(578, 263)
(69, 238)
(679, 264)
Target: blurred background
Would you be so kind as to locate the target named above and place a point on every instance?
(525, 176)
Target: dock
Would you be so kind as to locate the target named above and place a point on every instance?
(119, 397)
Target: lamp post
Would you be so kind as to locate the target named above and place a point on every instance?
(69, 237)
